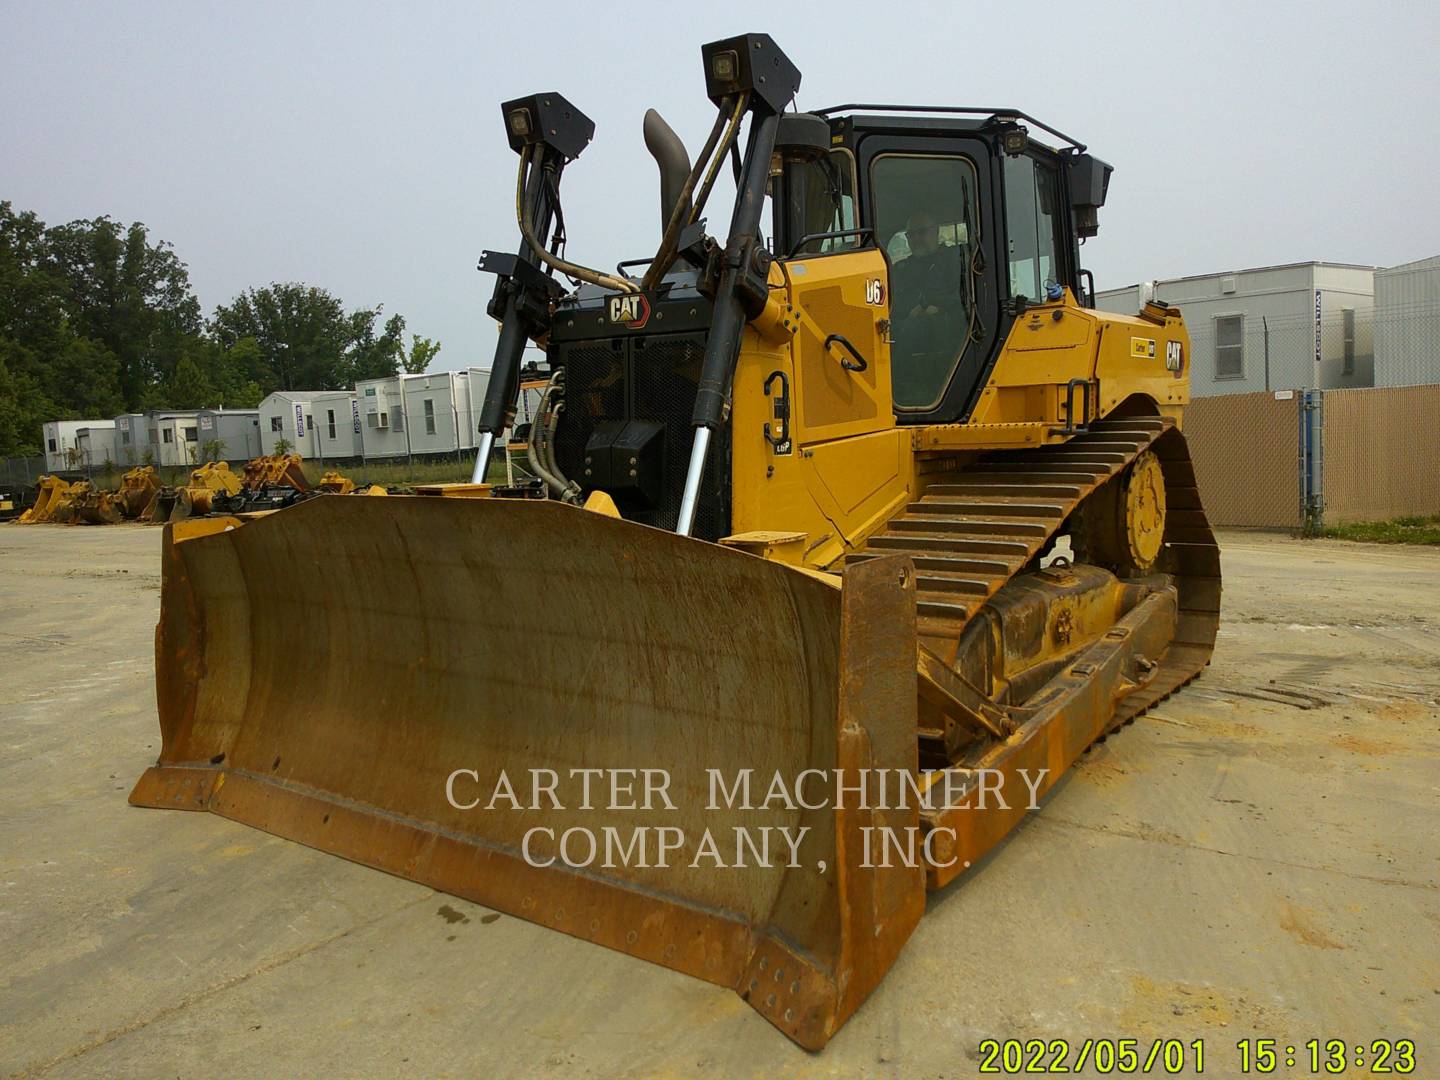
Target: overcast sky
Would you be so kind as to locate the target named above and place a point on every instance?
(359, 146)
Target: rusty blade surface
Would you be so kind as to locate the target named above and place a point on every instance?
(322, 671)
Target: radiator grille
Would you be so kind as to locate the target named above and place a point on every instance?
(649, 378)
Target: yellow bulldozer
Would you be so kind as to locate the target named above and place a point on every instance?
(861, 514)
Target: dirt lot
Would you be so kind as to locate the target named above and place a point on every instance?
(1258, 857)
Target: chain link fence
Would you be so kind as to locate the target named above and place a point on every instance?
(1294, 459)
(21, 472)
(1246, 451)
(1381, 454)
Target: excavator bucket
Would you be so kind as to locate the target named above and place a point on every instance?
(335, 483)
(91, 506)
(656, 662)
(51, 494)
(138, 489)
(275, 470)
(210, 482)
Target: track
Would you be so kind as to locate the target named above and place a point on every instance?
(975, 528)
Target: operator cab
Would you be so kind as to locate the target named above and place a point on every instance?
(977, 221)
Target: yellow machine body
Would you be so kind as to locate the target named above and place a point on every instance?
(851, 467)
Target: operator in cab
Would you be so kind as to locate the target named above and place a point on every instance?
(927, 309)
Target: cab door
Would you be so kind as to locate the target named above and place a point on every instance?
(928, 201)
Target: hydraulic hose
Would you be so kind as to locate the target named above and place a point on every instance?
(563, 266)
(732, 132)
(542, 434)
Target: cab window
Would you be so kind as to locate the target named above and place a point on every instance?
(821, 199)
(925, 219)
(1032, 226)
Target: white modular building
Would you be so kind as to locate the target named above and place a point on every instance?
(97, 445)
(63, 450)
(175, 438)
(1407, 324)
(233, 433)
(1270, 327)
(319, 425)
(433, 413)
(132, 439)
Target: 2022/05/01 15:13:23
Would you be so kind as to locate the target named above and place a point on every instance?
(1161, 1056)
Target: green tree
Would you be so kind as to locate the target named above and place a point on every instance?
(422, 351)
(24, 405)
(32, 297)
(85, 375)
(188, 388)
(20, 422)
(302, 335)
(127, 293)
(375, 356)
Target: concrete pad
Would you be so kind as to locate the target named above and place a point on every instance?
(1256, 857)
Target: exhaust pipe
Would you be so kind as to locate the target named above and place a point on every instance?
(669, 153)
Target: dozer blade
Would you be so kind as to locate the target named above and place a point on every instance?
(324, 670)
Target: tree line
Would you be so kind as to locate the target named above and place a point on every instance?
(97, 319)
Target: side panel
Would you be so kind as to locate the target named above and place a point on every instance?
(845, 468)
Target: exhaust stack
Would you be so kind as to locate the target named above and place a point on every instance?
(669, 153)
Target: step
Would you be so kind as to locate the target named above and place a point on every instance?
(949, 564)
(945, 504)
(944, 525)
(975, 545)
(946, 606)
(928, 581)
(1032, 466)
(1083, 455)
(1005, 487)
(1135, 423)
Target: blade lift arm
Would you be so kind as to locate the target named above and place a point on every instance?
(547, 132)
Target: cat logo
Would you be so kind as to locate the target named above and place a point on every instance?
(1142, 348)
(1174, 356)
(875, 291)
(631, 309)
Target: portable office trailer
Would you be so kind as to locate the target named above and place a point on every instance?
(176, 439)
(1407, 324)
(97, 446)
(434, 413)
(319, 425)
(441, 411)
(232, 434)
(384, 432)
(62, 447)
(132, 440)
(1269, 327)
